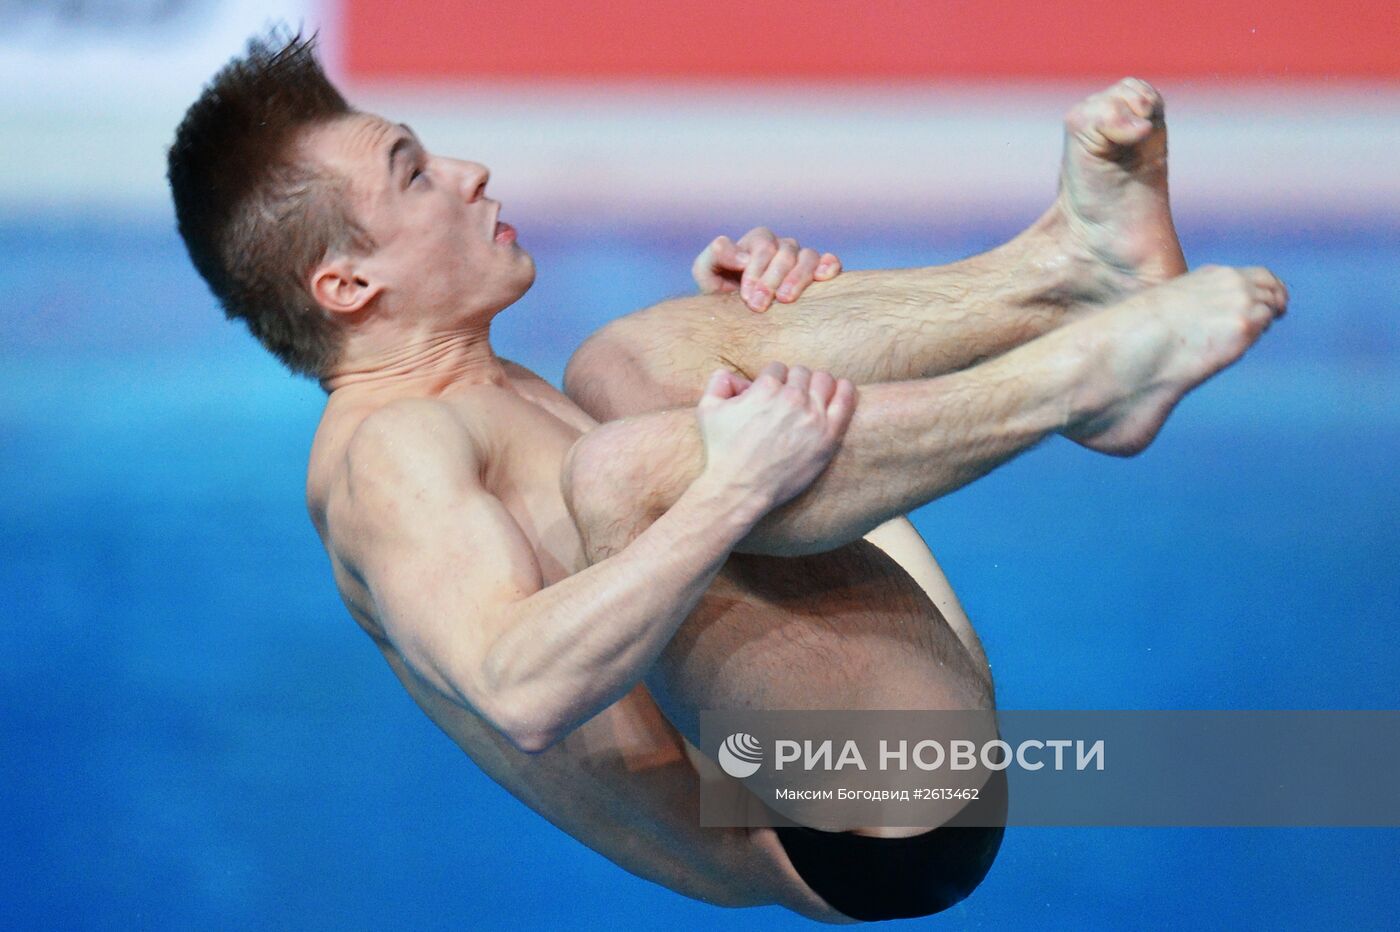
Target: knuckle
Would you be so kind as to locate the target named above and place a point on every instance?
(776, 273)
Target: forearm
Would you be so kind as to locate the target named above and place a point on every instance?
(572, 649)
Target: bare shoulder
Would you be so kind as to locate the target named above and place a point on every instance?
(360, 428)
(420, 448)
(519, 373)
(408, 432)
(540, 392)
(425, 554)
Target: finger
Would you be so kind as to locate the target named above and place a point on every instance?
(800, 277)
(761, 294)
(724, 254)
(771, 378)
(823, 386)
(737, 383)
(761, 252)
(828, 268)
(800, 378)
(755, 236)
(758, 237)
(719, 387)
(842, 407)
(714, 267)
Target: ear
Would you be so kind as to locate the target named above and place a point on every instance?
(341, 287)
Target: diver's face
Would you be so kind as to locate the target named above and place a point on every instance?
(439, 246)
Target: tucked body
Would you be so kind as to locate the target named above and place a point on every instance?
(563, 582)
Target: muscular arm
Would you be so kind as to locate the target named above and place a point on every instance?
(457, 590)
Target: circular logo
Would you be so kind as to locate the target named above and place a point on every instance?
(740, 755)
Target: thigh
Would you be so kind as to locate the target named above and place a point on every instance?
(846, 629)
(902, 543)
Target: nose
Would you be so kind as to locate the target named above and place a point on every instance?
(474, 177)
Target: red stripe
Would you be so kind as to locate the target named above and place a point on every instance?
(871, 39)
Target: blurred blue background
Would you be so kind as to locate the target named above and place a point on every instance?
(197, 736)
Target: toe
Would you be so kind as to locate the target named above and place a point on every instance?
(1268, 289)
(1261, 314)
(1090, 120)
(1123, 125)
(1080, 118)
(1142, 97)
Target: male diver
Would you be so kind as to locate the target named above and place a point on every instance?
(710, 515)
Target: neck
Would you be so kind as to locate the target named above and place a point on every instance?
(427, 365)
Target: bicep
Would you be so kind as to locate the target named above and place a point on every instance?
(442, 559)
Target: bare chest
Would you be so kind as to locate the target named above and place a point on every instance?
(525, 471)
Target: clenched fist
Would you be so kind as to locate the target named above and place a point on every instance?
(769, 439)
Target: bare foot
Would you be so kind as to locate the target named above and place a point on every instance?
(1112, 216)
(1163, 342)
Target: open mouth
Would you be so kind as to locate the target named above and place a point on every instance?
(505, 233)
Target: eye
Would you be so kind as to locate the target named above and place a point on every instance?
(414, 175)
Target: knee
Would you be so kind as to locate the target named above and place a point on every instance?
(648, 361)
(607, 376)
(586, 373)
(580, 480)
(605, 484)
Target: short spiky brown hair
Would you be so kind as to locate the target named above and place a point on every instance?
(254, 218)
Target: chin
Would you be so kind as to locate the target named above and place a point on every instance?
(515, 286)
(526, 277)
